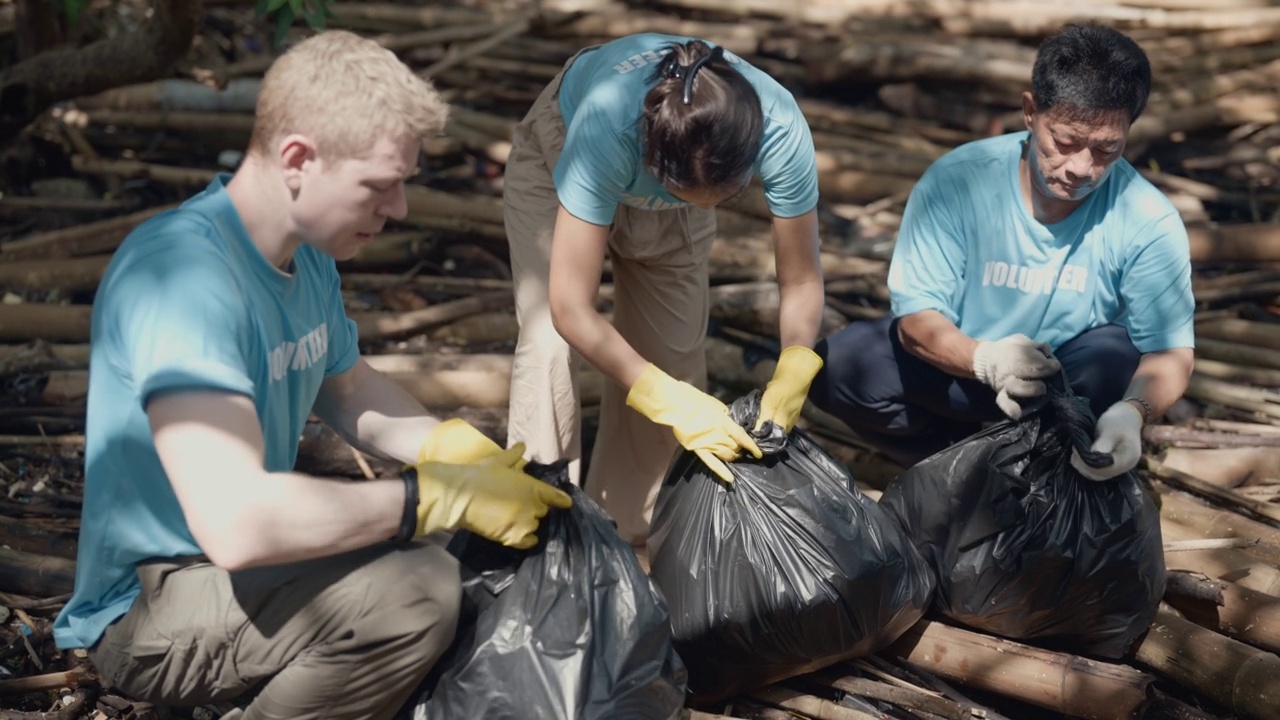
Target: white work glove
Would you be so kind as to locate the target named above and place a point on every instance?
(1119, 432)
(1014, 367)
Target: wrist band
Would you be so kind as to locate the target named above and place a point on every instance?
(1146, 408)
(409, 519)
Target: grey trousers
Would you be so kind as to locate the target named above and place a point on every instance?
(347, 636)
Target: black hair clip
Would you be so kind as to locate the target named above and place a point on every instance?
(694, 67)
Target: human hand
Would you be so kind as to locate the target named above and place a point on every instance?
(1118, 432)
(1014, 367)
(492, 498)
(784, 396)
(700, 422)
(457, 441)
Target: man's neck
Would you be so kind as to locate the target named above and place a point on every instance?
(1045, 209)
(259, 201)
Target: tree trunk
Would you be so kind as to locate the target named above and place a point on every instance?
(29, 88)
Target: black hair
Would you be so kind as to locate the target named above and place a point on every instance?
(705, 136)
(1088, 70)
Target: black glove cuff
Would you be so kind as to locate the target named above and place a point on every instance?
(409, 519)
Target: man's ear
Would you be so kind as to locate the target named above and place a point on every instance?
(296, 152)
(1028, 108)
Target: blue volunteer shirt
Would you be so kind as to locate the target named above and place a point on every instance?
(601, 99)
(188, 302)
(970, 249)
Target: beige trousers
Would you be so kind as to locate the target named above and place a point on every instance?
(348, 636)
(659, 261)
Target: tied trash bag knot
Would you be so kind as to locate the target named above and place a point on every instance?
(1023, 546)
(786, 570)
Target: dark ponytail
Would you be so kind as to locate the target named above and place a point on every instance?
(710, 141)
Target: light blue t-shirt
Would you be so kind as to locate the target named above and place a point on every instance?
(601, 165)
(188, 302)
(970, 249)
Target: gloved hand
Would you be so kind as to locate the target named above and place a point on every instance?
(701, 423)
(457, 441)
(784, 396)
(1119, 432)
(489, 498)
(1013, 367)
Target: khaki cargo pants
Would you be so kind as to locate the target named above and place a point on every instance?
(348, 636)
(659, 262)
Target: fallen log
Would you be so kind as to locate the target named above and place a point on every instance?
(1183, 437)
(1226, 467)
(35, 574)
(54, 323)
(1238, 612)
(1225, 496)
(1054, 681)
(30, 537)
(87, 239)
(1248, 242)
(1237, 353)
(1240, 677)
(389, 325)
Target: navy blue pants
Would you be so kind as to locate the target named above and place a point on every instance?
(909, 409)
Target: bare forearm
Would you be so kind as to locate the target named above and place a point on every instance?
(294, 517)
(1161, 378)
(600, 344)
(930, 336)
(374, 414)
(800, 313)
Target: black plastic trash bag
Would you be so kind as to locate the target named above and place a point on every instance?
(1027, 548)
(787, 570)
(569, 630)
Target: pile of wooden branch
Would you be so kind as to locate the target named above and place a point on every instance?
(887, 87)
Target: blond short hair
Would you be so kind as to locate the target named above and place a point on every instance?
(345, 92)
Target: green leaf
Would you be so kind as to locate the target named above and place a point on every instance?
(283, 21)
(315, 16)
(274, 5)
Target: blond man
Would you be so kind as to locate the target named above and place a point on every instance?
(208, 570)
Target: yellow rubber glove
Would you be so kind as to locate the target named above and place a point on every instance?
(701, 423)
(784, 396)
(457, 441)
(490, 499)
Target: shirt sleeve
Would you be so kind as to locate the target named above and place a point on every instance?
(595, 167)
(928, 264)
(787, 164)
(344, 338)
(1155, 287)
(178, 315)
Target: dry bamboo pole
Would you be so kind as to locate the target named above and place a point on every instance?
(909, 57)
(907, 697)
(1240, 677)
(73, 678)
(387, 325)
(1182, 437)
(1249, 332)
(1217, 369)
(1237, 353)
(1231, 395)
(460, 55)
(1238, 612)
(1225, 496)
(1230, 564)
(73, 275)
(87, 239)
(54, 323)
(1226, 467)
(467, 380)
(393, 17)
(1245, 242)
(1183, 517)
(40, 355)
(1239, 108)
(1236, 427)
(190, 177)
(809, 705)
(741, 38)
(1054, 681)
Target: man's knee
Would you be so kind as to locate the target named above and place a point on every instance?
(1099, 364)
(854, 360)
